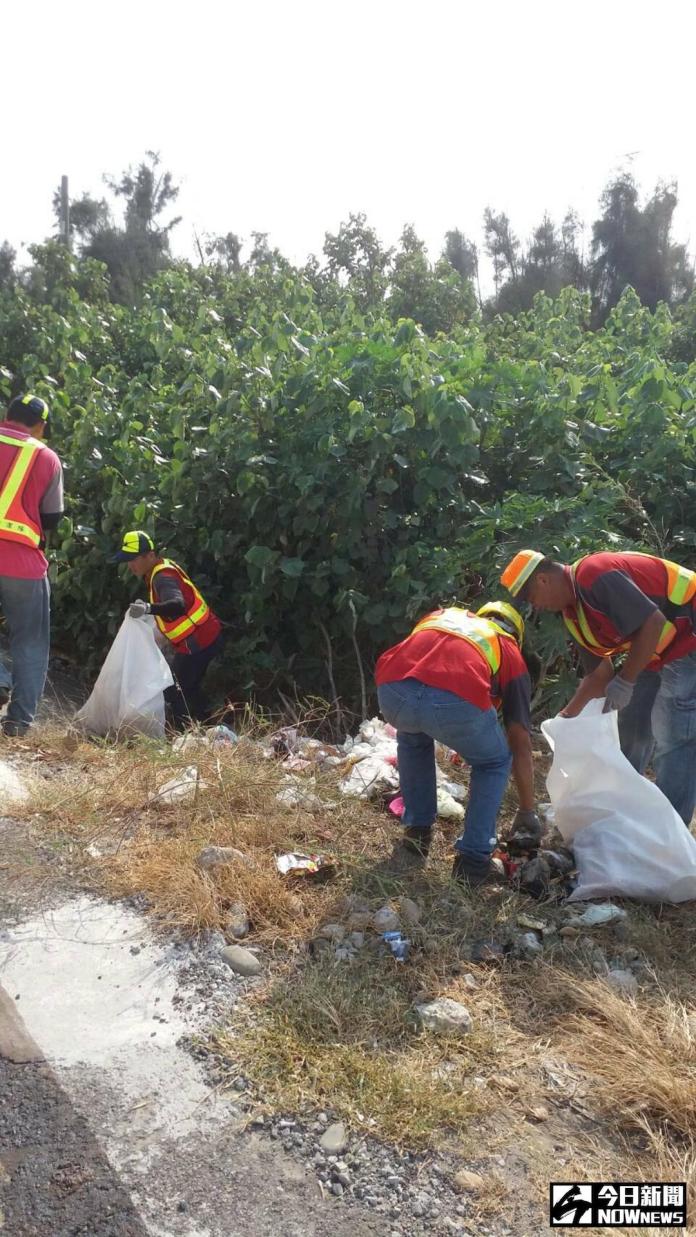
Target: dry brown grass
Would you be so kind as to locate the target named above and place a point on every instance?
(323, 1033)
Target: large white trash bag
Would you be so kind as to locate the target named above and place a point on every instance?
(627, 838)
(128, 694)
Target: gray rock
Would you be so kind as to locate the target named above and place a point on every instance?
(623, 982)
(487, 953)
(343, 1179)
(337, 1189)
(410, 912)
(332, 932)
(357, 939)
(445, 1016)
(241, 960)
(237, 921)
(386, 920)
(335, 1140)
(220, 856)
(470, 981)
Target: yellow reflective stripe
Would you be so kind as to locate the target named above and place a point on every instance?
(479, 632)
(667, 635)
(23, 530)
(18, 472)
(189, 622)
(17, 475)
(681, 583)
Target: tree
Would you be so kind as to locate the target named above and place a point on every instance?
(138, 249)
(224, 251)
(355, 255)
(502, 246)
(8, 273)
(462, 254)
(633, 246)
(436, 297)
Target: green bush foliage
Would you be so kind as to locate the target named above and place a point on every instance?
(326, 474)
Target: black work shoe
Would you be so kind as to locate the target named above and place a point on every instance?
(416, 842)
(13, 730)
(469, 871)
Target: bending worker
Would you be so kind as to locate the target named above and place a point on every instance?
(643, 607)
(445, 682)
(182, 616)
(31, 503)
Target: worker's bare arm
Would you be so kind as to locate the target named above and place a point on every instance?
(520, 743)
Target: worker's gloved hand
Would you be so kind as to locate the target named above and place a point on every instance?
(528, 821)
(526, 833)
(139, 608)
(619, 694)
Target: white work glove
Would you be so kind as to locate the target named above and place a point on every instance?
(139, 609)
(618, 695)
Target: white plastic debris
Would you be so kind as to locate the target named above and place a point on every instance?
(447, 806)
(183, 786)
(370, 778)
(596, 916)
(297, 794)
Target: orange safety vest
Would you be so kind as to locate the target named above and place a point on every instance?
(15, 522)
(179, 629)
(681, 588)
(467, 626)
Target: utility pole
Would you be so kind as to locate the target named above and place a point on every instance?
(64, 212)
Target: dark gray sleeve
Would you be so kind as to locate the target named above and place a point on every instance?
(169, 599)
(621, 600)
(516, 701)
(52, 499)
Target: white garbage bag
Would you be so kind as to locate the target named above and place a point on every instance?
(627, 838)
(128, 694)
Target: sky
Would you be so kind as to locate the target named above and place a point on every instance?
(285, 117)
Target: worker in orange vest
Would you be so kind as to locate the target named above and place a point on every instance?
(643, 608)
(31, 503)
(182, 616)
(444, 683)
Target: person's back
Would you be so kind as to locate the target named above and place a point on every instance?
(31, 503)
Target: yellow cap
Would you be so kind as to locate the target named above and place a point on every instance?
(134, 544)
(520, 569)
(505, 618)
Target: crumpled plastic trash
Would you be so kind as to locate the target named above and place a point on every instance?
(11, 785)
(370, 778)
(183, 786)
(296, 864)
(298, 794)
(597, 915)
(217, 736)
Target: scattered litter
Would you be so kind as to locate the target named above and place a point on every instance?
(465, 1180)
(445, 1016)
(536, 925)
(534, 877)
(370, 777)
(447, 807)
(399, 945)
(528, 945)
(217, 736)
(597, 915)
(294, 864)
(297, 794)
(183, 786)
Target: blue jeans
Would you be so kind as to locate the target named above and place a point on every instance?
(660, 725)
(26, 605)
(422, 714)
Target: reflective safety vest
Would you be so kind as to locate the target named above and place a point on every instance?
(179, 629)
(681, 589)
(467, 626)
(15, 522)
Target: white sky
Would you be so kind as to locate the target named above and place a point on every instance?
(285, 116)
